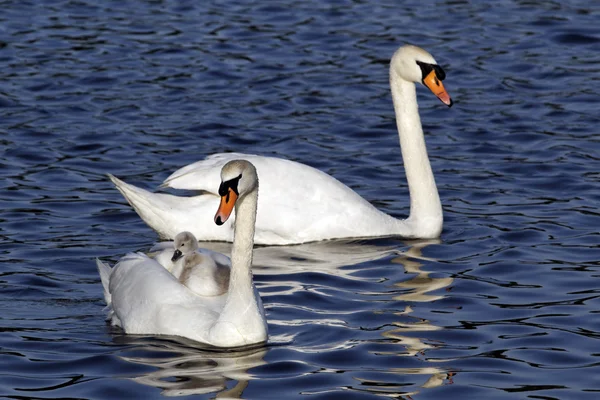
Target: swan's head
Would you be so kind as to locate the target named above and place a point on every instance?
(185, 242)
(238, 178)
(413, 64)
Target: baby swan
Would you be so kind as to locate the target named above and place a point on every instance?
(204, 275)
(168, 257)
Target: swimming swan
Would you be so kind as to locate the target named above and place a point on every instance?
(144, 298)
(301, 204)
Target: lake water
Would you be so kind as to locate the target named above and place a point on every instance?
(504, 306)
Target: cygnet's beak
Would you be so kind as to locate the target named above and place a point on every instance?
(176, 255)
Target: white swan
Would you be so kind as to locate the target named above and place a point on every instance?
(169, 254)
(144, 298)
(315, 205)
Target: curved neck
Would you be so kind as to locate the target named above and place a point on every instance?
(241, 286)
(425, 207)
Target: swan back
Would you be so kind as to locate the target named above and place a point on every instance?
(147, 299)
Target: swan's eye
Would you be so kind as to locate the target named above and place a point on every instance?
(439, 72)
(427, 68)
(230, 184)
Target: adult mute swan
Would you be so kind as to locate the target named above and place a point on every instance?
(145, 298)
(301, 204)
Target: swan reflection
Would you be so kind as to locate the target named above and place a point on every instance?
(183, 368)
(326, 256)
(416, 289)
(422, 283)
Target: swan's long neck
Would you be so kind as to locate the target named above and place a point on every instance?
(242, 305)
(426, 215)
(243, 241)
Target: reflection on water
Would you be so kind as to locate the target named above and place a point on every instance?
(326, 256)
(184, 369)
(415, 289)
(422, 283)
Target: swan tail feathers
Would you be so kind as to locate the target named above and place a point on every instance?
(138, 198)
(169, 215)
(105, 270)
(153, 208)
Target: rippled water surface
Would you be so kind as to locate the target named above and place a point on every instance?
(504, 305)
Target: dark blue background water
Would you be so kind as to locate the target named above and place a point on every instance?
(505, 305)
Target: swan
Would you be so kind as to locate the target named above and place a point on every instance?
(144, 298)
(168, 254)
(316, 206)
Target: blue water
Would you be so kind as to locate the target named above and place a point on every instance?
(504, 306)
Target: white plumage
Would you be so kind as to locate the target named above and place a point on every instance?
(143, 297)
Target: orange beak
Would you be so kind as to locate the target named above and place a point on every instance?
(437, 87)
(226, 207)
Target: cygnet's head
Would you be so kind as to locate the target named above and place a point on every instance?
(413, 64)
(238, 177)
(184, 243)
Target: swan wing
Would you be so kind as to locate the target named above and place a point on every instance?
(219, 258)
(169, 215)
(147, 299)
(160, 246)
(298, 204)
(164, 258)
(105, 271)
(204, 175)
